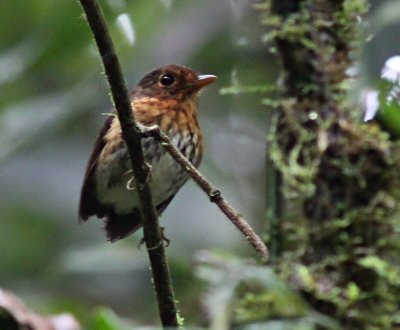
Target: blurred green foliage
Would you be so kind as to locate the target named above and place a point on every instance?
(388, 113)
(52, 94)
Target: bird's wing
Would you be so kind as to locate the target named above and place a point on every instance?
(89, 204)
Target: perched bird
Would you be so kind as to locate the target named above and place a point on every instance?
(167, 97)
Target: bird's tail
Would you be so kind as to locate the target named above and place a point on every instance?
(118, 226)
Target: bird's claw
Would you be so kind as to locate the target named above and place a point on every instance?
(131, 184)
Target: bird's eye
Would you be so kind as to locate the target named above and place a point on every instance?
(167, 80)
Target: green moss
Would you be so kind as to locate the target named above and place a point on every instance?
(341, 250)
(343, 180)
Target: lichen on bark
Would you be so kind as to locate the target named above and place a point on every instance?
(340, 246)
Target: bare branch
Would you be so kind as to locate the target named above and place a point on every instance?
(213, 193)
(152, 232)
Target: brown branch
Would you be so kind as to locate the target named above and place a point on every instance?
(213, 193)
(152, 232)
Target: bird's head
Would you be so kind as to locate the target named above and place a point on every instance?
(172, 81)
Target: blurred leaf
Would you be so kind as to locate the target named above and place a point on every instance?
(388, 114)
(240, 89)
(27, 256)
(27, 122)
(313, 321)
(382, 267)
(383, 102)
(105, 319)
(244, 293)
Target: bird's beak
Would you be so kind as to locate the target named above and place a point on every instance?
(203, 80)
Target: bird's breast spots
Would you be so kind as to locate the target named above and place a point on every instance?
(167, 176)
(189, 146)
(153, 151)
(164, 168)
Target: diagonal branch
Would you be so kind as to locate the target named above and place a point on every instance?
(212, 192)
(152, 232)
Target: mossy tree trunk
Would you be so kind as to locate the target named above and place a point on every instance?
(339, 245)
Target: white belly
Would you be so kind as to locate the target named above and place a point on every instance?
(114, 175)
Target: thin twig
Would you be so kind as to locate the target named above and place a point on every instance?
(213, 193)
(152, 232)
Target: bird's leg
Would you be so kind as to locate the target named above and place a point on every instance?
(163, 239)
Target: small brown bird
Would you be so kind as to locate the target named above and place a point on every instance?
(167, 97)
